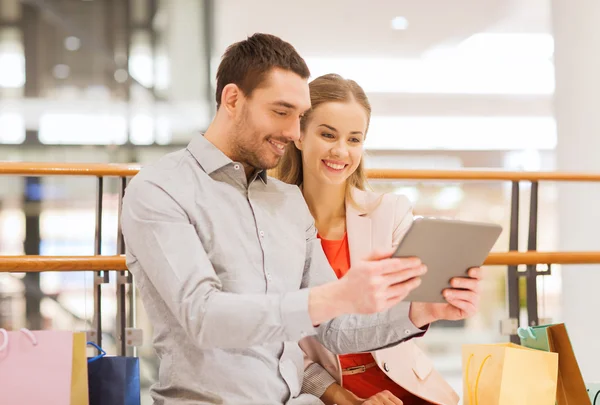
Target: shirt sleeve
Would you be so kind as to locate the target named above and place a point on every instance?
(316, 380)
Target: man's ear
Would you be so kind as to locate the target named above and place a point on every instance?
(230, 97)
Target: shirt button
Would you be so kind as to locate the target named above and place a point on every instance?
(261, 233)
(236, 167)
(386, 367)
(407, 332)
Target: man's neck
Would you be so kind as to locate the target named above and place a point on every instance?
(217, 134)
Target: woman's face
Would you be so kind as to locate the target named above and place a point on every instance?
(332, 143)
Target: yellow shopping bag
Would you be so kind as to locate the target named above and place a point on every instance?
(508, 374)
(79, 376)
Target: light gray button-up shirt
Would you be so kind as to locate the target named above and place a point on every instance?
(222, 265)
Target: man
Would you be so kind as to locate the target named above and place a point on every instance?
(227, 261)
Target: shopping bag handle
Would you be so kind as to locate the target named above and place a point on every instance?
(4, 334)
(102, 352)
(476, 402)
(523, 332)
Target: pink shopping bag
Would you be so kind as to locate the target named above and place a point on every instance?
(36, 367)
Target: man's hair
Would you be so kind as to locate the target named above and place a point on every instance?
(246, 63)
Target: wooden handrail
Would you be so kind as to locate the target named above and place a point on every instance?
(129, 170)
(489, 175)
(68, 169)
(36, 264)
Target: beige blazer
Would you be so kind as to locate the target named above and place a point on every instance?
(381, 222)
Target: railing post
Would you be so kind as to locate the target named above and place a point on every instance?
(100, 277)
(127, 336)
(532, 274)
(512, 280)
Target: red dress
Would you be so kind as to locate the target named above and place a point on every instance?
(373, 380)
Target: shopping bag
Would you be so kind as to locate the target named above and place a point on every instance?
(79, 378)
(554, 338)
(593, 390)
(113, 380)
(508, 374)
(54, 361)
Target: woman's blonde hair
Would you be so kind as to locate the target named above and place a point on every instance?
(325, 89)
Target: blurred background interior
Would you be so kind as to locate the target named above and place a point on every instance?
(502, 84)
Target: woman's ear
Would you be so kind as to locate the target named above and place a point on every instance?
(298, 143)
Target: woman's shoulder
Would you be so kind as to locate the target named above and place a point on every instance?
(374, 202)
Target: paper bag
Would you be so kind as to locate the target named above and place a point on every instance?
(42, 367)
(554, 338)
(79, 378)
(508, 374)
(113, 380)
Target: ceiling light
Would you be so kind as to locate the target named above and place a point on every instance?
(72, 43)
(399, 23)
(61, 71)
(121, 75)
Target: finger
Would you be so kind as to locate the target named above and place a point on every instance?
(397, 401)
(382, 398)
(391, 398)
(374, 400)
(475, 272)
(403, 275)
(399, 291)
(465, 306)
(462, 295)
(466, 284)
(387, 266)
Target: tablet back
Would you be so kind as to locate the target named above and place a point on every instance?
(449, 248)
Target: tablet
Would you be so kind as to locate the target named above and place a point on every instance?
(449, 248)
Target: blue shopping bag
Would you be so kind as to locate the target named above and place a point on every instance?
(113, 380)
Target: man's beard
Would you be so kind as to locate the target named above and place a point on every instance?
(248, 143)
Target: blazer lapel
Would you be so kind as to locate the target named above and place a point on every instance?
(358, 227)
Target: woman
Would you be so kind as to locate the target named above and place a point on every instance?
(327, 164)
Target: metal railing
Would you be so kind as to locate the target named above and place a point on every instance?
(101, 265)
(100, 172)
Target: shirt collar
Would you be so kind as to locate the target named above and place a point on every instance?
(212, 158)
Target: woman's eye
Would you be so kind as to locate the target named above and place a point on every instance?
(282, 113)
(326, 135)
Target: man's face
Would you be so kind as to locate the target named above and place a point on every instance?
(269, 119)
